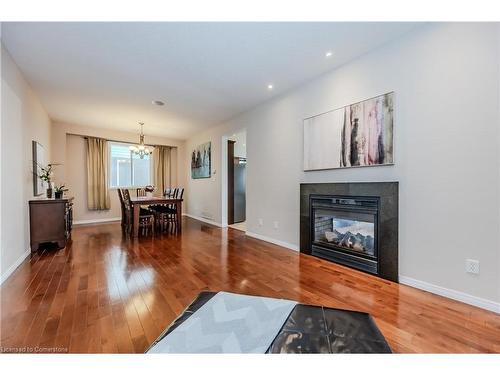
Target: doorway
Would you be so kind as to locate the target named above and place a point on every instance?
(236, 181)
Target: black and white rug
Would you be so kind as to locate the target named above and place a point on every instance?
(231, 323)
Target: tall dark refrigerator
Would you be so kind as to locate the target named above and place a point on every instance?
(240, 181)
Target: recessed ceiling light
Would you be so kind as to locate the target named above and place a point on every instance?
(329, 54)
(270, 86)
(158, 102)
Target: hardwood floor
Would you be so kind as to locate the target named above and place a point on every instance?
(105, 293)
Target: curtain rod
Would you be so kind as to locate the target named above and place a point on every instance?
(115, 140)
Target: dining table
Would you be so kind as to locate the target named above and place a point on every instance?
(137, 202)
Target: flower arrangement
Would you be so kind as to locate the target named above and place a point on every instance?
(59, 191)
(60, 188)
(149, 189)
(45, 174)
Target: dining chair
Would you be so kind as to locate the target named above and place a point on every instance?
(174, 218)
(158, 210)
(122, 207)
(166, 215)
(146, 217)
(141, 192)
(180, 193)
(174, 193)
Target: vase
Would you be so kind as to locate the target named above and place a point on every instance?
(50, 188)
(58, 194)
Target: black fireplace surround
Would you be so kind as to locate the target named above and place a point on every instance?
(353, 224)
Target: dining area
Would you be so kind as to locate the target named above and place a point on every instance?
(144, 214)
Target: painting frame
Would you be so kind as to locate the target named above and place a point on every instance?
(201, 161)
(336, 121)
(38, 152)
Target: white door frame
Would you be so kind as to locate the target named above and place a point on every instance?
(223, 177)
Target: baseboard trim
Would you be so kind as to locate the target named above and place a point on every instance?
(96, 221)
(208, 221)
(450, 293)
(250, 234)
(272, 240)
(12, 268)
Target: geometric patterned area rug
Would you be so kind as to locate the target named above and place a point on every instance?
(307, 329)
(229, 323)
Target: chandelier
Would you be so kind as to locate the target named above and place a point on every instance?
(141, 149)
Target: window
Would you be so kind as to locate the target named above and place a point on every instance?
(127, 169)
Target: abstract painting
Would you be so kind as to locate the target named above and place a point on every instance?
(357, 135)
(201, 161)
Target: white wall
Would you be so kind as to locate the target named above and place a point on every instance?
(446, 83)
(240, 145)
(70, 152)
(23, 120)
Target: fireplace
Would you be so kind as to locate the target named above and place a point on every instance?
(344, 229)
(352, 224)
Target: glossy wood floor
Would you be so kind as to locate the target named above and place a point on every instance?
(104, 293)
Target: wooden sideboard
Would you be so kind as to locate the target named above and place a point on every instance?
(50, 221)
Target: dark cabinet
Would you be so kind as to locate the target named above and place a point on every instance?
(50, 221)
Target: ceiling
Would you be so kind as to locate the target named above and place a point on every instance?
(107, 74)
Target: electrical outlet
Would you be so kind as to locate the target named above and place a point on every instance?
(261, 222)
(276, 225)
(472, 266)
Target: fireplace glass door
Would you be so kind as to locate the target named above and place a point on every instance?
(350, 231)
